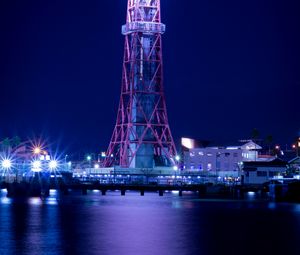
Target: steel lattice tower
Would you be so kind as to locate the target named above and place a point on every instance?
(142, 136)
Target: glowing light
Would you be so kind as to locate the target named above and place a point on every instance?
(177, 158)
(35, 201)
(88, 158)
(96, 166)
(6, 164)
(188, 143)
(37, 150)
(277, 147)
(175, 168)
(53, 164)
(36, 166)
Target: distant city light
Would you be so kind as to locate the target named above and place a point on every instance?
(36, 166)
(6, 164)
(96, 166)
(277, 147)
(103, 154)
(177, 157)
(175, 168)
(88, 158)
(53, 164)
(294, 146)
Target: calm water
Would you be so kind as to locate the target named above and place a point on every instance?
(112, 224)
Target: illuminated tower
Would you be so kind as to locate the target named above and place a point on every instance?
(142, 136)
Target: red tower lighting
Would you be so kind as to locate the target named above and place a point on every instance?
(142, 136)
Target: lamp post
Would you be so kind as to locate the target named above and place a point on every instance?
(66, 158)
(89, 159)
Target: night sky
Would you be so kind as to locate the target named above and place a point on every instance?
(230, 66)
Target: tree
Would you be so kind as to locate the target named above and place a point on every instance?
(16, 141)
(255, 134)
(6, 143)
(269, 141)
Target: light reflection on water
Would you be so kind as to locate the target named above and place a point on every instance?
(132, 224)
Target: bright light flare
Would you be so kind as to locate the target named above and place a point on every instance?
(53, 164)
(36, 166)
(37, 150)
(6, 164)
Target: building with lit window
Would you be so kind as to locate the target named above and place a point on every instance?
(219, 161)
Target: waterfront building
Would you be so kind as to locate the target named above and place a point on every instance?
(220, 161)
(259, 172)
(294, 164)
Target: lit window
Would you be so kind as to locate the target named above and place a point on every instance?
(201, 153)
(209, 166)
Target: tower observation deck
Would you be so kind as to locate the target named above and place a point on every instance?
(142, 136)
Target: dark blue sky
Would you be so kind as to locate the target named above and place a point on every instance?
(230, 66)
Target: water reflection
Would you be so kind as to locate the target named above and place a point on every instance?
(112, 224)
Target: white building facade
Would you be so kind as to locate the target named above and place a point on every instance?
(221, 161)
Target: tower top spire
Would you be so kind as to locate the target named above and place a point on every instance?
(143, 10)
(143, 16)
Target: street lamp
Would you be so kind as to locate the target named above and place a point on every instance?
(36, 166)
(53, 164)
(37, 150)
(6, 164)
(89, 159)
